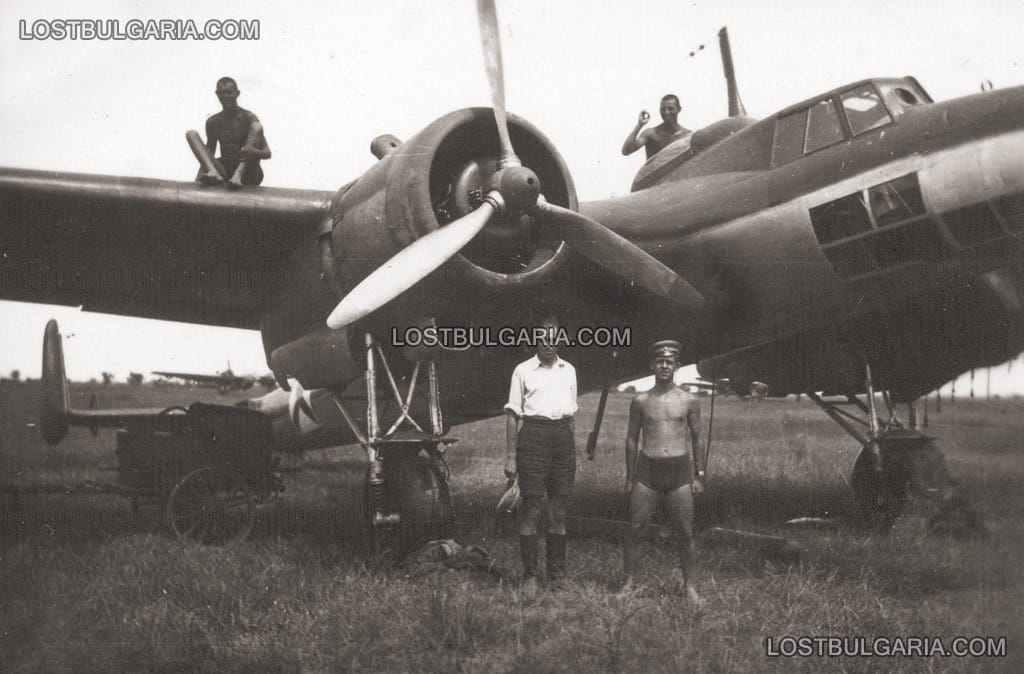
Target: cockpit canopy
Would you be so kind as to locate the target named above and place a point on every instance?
(800, 130)
(842, 114)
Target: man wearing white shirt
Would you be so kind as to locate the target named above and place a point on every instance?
(542, 452)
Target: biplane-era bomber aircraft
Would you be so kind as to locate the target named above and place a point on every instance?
(223, 381)
(865, 239)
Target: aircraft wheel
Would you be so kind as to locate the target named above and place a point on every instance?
(211, 506)
(425, 504)
(881, 495)
(418, 492)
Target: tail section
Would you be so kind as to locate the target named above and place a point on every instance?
(55, 415)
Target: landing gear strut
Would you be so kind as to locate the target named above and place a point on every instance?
(895, 462)
(407, 501)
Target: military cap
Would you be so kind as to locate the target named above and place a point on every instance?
(666, 347)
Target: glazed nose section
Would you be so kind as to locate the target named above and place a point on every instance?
(977, 188)
(989, 164)
(979, 170)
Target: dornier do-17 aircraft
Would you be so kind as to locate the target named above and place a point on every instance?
(224, 381)
(865, 239)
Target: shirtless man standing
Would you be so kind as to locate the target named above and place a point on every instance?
(664, 469)
(242, 144)
(654, 140)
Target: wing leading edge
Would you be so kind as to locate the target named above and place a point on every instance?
(149, 248)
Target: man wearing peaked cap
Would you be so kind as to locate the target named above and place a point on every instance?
(669, 466)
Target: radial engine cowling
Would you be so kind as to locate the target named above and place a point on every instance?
(436, 177)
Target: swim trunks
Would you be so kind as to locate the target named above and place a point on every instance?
(664, 474)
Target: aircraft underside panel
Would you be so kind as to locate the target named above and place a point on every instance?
(913, 348)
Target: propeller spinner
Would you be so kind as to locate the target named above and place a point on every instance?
(513, 187)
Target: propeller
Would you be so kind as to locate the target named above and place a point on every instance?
(618, 254)
(487, 14)
(515, 188)
(413, 263)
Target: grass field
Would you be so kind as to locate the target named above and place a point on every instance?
(87, 586)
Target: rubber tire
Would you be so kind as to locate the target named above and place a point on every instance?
(417, 490)
(880, 496)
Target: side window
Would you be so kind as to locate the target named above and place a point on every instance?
(789, 138)
(864, 109)
(840, 219)
(876, 228)
(823, 126)
(896, 200)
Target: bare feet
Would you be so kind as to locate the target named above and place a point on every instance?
(211, 178)
(693, 597)
(529, 587)
(557, 585)
(629, 587)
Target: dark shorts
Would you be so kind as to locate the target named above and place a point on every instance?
(546, 458)
(253, 174)
(664, 474)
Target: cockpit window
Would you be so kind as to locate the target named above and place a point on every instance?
(906, 95)
(855, 111)
(864, 109)
(823, 126)
(902, 96)
(789, 137)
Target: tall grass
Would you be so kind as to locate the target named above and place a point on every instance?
(85, 585)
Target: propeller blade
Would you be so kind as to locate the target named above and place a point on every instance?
(618, 255)
(412, 264)
(488, 18)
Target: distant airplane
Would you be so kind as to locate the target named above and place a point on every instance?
(224, 381)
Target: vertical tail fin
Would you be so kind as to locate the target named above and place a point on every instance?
(55, 415)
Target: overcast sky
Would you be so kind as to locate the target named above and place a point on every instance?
(326, 77)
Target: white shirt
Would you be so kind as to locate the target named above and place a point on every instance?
(539, 391)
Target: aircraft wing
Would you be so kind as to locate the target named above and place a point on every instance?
(151, 248)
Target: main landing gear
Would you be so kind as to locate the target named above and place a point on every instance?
(407, 501)
(895, 463)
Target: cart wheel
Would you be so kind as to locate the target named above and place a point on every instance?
(211, 506)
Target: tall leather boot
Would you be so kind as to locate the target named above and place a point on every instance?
(528, 549)
(556, 558)
(629, 555)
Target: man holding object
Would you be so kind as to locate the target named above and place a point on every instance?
(542, 451)
(654, 140)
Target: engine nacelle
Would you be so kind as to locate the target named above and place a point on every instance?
(436, 177)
